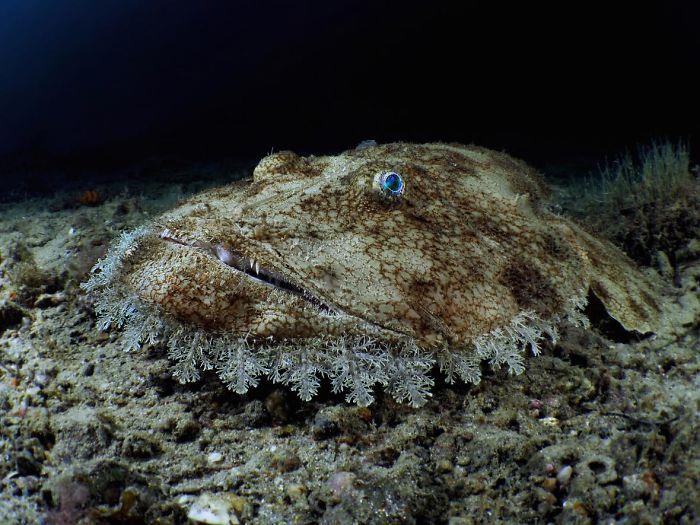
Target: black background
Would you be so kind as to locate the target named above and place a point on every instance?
(101, 84)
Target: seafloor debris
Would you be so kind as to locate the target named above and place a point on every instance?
(90, 198)
(647, 203)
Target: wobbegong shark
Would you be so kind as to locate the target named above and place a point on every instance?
(367, 268)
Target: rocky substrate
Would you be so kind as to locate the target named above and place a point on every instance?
(595, 431)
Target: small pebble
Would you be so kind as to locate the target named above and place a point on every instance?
(296, 491)
(549, 484)
(215, 457)
(324, 427)
(255, 414)
(212, 509)
(288, 463)
(277, 406)
(549, 421)
(564, 474)
(340, 482)
(444, 466)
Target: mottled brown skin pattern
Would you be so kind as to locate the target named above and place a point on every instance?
(468, 246)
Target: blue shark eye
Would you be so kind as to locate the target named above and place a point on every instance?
(390, 183)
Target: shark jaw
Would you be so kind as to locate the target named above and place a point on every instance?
(252, 269)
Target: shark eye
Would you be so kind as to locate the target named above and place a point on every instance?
(389, 183)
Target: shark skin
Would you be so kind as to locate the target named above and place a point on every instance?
(367, 268)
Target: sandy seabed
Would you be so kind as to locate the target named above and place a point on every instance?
(595, 431)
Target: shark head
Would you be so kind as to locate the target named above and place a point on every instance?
(442, 246)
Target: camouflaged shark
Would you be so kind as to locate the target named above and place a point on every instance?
(367, 268)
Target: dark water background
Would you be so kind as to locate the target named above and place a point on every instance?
(124, 88)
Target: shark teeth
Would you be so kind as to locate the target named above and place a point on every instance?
(168, 235)
(268, 277)
(254, 266)
(251, 268)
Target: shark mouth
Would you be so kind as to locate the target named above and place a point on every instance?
(252, 269)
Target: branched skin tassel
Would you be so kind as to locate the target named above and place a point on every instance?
(367, 268)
